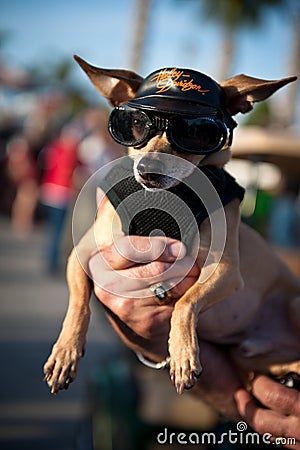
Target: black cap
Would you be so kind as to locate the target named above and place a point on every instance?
(182, 91)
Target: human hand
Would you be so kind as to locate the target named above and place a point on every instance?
(278, 414)
(122, 274)
(131, 264)
(128, 267)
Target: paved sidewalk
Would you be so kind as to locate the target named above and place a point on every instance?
(32, 306)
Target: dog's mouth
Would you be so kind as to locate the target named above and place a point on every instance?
(151, 180)
(160, 170)
(151, 172)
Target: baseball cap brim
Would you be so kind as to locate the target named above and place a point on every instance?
(167, 104)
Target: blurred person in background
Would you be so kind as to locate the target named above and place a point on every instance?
(283, 221)
(22, 172)
(44, 119)
(93, 147)
(59, 160)
(95, 151)
(97, 148)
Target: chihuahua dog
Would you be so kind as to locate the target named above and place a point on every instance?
(177, 124)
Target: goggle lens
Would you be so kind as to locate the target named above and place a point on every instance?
(200, 134)
(129, 126)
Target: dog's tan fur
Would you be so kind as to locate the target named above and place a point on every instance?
(246, 278)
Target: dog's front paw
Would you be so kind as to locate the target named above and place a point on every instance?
(185, 367)
(61, 367)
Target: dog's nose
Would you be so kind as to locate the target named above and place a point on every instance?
(150, 167)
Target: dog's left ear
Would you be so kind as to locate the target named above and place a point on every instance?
(117, 86)
(242, 92)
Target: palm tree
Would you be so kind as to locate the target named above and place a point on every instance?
(231, 16)
(142, 8)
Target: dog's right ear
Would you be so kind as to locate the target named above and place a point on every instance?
(118, 86)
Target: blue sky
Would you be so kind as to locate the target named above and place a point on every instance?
(100, 31)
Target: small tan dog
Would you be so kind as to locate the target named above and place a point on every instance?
(174, 121)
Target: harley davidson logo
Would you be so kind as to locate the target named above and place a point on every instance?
(165, 80)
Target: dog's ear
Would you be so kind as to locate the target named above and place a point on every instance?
(118, 86)
(242, 91)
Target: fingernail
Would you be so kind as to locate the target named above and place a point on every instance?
(177, 250)
(55, 388)
(180, 388)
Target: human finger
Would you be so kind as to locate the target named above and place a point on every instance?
(134, 280)
(157, 271)
(264, 420)
(175, 288)
(179, 286)
(130, 250)
(276, 396)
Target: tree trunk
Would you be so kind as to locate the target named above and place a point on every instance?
(226, 58)
(139, 33)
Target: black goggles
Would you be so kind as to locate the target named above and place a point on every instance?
(194, 134)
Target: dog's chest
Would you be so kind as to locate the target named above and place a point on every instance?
(176, 212)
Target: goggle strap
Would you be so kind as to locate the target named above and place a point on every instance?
(160, 123)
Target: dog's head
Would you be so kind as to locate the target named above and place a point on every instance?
(178, 112)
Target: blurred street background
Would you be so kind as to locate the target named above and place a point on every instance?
(53, 137)
(32, 306)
